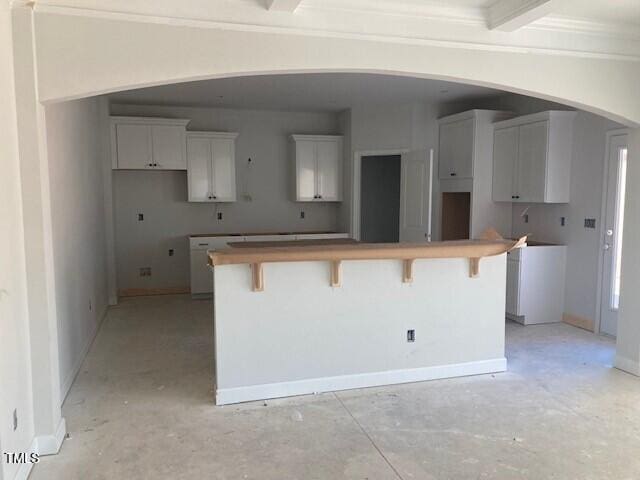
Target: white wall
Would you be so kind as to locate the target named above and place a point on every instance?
(15, 361)
(162, 196)
(77, 210)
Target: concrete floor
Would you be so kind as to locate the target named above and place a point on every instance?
(141, 408)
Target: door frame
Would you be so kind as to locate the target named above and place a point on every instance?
(603, 212)
(356, 179)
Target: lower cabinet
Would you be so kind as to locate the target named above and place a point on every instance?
(201, 276)
(535, 284)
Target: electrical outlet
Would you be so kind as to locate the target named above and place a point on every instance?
(171, 252)
(145, 271)
(411, 335)
(526, 218)
(140, 217)
(219, 215)
(15, 419)
(302, 214)
(562, 221)
(589, 223)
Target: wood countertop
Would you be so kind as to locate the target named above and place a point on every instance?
(362, 251)
(337, 252)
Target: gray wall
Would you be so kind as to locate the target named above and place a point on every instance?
(380, 199)
(78, 219)
(162, 196)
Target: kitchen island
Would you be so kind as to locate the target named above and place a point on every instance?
(293, 319)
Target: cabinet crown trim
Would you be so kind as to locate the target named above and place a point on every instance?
(150, 120)
(297, 137)
(535, 117)
(467, 114)
(202, 134)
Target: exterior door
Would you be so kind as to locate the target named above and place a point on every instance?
(415, 196)
(612, 235)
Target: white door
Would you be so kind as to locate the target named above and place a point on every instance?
(613, 229)
(199, 168)
(505, 156)
(305, 170)
(532, 162)
(168, 147)
(328, 164)
(415, 196)
(133, 143)
(224, 170)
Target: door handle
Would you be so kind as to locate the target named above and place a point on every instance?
(606, 246)
(609, 233)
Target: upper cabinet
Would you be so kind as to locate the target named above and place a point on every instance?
(140, 143)
(318, 168)
(532, 158)
(456, 147)
(211, 166)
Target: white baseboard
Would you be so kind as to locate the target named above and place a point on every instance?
(50, 444)
(629, 366)
(226, 396)
(25, 469)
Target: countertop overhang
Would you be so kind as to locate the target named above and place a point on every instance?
(363, 251)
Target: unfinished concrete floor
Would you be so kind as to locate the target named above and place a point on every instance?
(142, 408)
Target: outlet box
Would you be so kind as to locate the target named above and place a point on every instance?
(526, 218)
(563, 221)
(302, 214)
(140, 217)
(411, 336)
(219, 215)
(171, 252)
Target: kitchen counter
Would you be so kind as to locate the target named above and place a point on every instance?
(298, 319)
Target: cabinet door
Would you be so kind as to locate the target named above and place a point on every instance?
(133, 143)
(306, 170)
(513, 287)
(456, 149)
(168, 147)
(532, 161)
(328, 155)
(224, 170)
(505, 156)
(201, 274)
(199, 168)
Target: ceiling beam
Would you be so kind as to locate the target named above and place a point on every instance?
(510, 15)
(283, 5)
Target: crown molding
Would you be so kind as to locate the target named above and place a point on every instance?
(383, 20)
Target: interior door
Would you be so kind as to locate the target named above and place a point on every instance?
(199, 168)
(328, 155)
(613, 230)
(532, 162)
(224, 170)
(415, 196)
(505, 156)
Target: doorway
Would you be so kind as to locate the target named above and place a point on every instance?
(613, 223)
(380, 198)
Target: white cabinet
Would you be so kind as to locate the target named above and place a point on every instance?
(456, 146)
(532, 158)
(318, 168)
(201, 277)
(535, 284)
(139, 143)
(211, 167)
